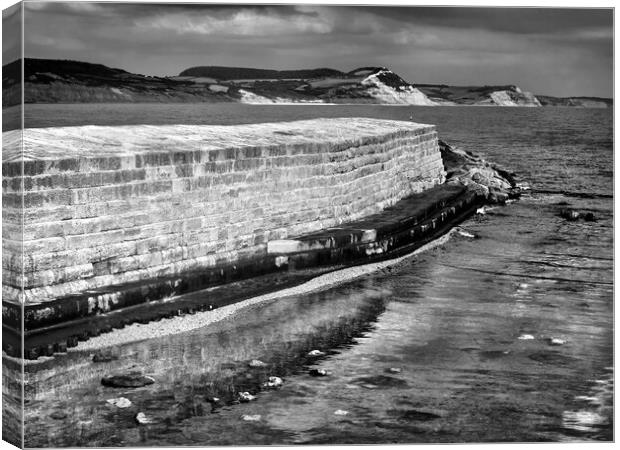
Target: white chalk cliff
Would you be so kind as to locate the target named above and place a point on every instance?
(404, 94)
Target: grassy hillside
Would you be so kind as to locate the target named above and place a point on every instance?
(61, 81)
(243, 73)
(64, 81)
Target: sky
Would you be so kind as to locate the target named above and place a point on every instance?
(561, 52)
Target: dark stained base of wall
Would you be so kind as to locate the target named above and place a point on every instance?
(409, 224)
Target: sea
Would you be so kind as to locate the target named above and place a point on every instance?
(504, 333)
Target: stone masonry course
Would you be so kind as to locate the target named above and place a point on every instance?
(108, 205)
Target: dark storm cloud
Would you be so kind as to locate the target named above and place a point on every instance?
(11, 34)
(554, 51)
(512, 20)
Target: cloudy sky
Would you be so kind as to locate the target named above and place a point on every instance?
(548, 51)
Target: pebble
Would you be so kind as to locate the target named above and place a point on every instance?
(141, 419)
(120, 402)
(316, 353)
(526, 337)
(246, 397)
(394, 370)
(341, 412)
(466, 234)
(251, 418)
(556, 341)
(256, 363)
(318, 372)
(273, 382)
(481, 211)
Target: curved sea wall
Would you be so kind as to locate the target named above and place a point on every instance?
(104, 206)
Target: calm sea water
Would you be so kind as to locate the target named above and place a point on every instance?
(448, 320)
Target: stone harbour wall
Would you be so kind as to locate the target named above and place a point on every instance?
(108, 205)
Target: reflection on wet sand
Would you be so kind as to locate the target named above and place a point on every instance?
(192, 368)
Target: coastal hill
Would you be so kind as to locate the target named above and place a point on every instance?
(363, 85)
(63, 81)
(579, 102)
(509, 95)
(239, 73)
(479, 95)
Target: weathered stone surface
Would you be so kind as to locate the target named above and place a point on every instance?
(463, 167)
(110, 205)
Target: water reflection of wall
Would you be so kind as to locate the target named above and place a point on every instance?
(190, 367)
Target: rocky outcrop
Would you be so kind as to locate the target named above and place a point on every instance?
(463, 167)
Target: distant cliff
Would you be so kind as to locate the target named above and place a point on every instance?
(363, 85)
(509, 95)
(62, 81)
(576, 102)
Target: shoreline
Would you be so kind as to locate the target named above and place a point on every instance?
(180, 324)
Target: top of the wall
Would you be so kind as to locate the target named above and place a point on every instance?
(127, 141)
